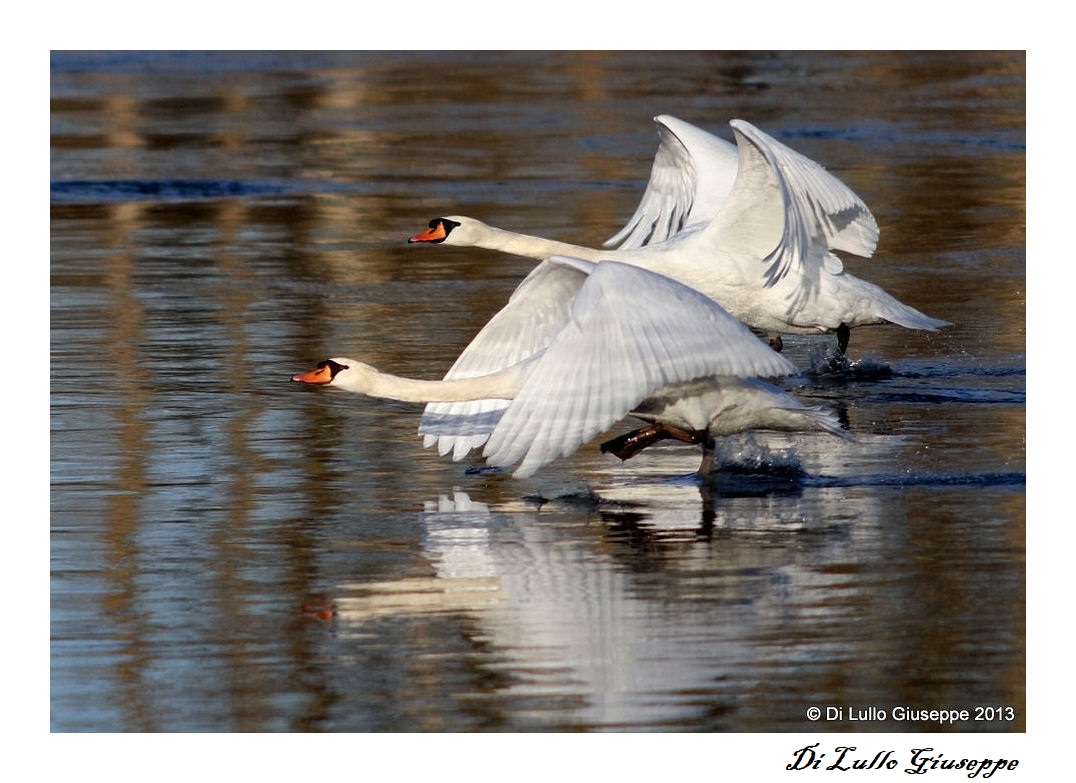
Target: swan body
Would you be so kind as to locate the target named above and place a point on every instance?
(762, 248)
(728, 406)
(606, 339)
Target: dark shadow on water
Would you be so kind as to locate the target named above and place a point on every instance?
(936, 480)
(74, 191)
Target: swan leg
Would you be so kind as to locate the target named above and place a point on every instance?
(776, 344)
(706, 467)
(628, 445)
(843, 333)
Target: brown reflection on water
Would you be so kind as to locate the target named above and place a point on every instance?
(124, 514)
(233, 535)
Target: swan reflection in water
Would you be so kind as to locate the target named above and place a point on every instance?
(629, 602)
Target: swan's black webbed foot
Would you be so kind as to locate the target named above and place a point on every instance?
(776, 343)
(628, 445)
(843, 335)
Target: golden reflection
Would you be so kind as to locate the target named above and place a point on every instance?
(123, 521)
(232, 536)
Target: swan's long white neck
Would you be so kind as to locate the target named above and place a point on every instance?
(363, 379)
(492, 238)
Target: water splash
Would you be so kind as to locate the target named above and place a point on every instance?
(745, 454)
(829, 364)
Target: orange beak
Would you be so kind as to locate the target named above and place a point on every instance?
(321, 374)
(435, 233)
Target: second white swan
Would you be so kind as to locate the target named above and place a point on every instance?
(760, 247)
(614, 339)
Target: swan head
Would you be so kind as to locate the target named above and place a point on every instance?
(346, 373)
(450, 230)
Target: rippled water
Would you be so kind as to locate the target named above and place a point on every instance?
(232, 552)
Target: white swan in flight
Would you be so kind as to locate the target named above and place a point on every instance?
(600, 341)
(760, 247)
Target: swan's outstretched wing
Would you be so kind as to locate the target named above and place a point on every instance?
(533, 316)
(630, 333)
(815, 212)
(692, 174)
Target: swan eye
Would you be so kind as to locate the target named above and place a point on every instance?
(331, 366)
